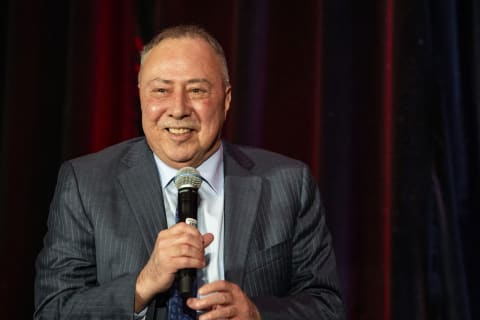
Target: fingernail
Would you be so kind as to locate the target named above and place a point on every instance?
(192, 302)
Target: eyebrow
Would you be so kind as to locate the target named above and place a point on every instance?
(160, 80)
(190, 81)
(199, 80)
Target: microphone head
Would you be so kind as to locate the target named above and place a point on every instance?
(188, 177)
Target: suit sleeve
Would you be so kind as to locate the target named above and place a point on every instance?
(66, 284)
(314, 291)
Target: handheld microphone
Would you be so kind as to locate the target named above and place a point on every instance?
(187, 181)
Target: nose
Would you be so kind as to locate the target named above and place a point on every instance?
(180, 107)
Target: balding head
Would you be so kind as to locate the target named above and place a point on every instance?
(189, 31)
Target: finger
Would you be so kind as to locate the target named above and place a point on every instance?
(186, 262)
(181, 236)
(183, 228)
(216, 286)
(220, 313)
(188, 252)
(200, 242)
(207, 239)
(173, 254)
(208, 302)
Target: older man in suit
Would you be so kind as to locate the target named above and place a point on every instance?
(113, 247)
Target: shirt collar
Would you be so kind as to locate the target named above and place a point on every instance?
(211, 170)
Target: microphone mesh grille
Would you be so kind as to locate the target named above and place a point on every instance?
(188, 177)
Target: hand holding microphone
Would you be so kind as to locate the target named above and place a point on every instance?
(178, 250)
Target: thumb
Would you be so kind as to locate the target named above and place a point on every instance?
(207, 239)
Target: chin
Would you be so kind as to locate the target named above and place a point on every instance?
(181, 161)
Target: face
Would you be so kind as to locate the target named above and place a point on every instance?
(184, 101)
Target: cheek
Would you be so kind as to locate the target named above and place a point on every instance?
(215, 122)
(152, 110)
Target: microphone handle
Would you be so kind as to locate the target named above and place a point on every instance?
(187, 212)
(187, 206)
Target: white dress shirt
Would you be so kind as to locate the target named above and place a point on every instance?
(210, 210)
(209, 214)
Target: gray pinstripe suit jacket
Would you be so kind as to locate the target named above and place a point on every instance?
(107, 211)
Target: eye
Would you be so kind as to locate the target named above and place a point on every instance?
(198, 92)
(160, 91)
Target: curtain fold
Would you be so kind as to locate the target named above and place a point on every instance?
(103, 61)
(456, 163)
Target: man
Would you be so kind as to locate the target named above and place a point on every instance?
(113, 248)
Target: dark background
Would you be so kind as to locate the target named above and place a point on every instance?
(381, 98)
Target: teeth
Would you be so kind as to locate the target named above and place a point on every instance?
(178, 130)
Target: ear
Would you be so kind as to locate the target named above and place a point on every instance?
(228, 99)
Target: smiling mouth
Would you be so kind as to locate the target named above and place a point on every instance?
(178, 130)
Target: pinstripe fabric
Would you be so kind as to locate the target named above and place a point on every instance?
(277, 246)
(108, 209)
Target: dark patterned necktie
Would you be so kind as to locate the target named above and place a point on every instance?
(177, 308)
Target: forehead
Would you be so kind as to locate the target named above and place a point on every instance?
(182, 52)
(196, 44)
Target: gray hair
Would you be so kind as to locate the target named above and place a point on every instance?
(189, 31)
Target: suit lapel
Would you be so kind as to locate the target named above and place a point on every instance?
(242, 195)
(141, 185)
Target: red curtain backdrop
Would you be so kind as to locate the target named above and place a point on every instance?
(102, 61)
(361, 92)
